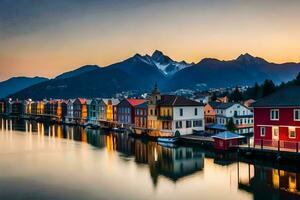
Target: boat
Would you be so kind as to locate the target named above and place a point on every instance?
(167, 145)
(167, 139)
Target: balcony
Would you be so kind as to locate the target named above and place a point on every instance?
(168, 118)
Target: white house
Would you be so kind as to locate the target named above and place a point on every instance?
(241, 115)
(69, 117)
(180, 116)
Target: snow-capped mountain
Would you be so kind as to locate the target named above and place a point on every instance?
(164, 63)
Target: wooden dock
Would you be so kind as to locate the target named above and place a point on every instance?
(196, 139)
(269, 154)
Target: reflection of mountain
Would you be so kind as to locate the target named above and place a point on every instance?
(268, 183)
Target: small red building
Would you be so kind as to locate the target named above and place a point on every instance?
(226, 140)
(277, 120)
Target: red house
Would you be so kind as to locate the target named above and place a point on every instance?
(226, 140)
(277, 120)
(126, 110)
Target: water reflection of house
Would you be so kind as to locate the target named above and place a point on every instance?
(269, 183)
(176, 163)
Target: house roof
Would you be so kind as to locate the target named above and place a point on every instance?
(286, 97)
(143, 105)
(173, 100)
(220, 105)
(135, 102)
(216, 126)
(227, 135)
(113, 101)
(82, 100)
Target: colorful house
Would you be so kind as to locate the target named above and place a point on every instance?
(80, 111)
(140, 118)
(70, 111)
(209, 114)
(180, 116)
(226, 140)
(126, 110)
(93, 110)
(277, 119)
(241, 115)
(170, 115)
(2, 106)
(107, 108)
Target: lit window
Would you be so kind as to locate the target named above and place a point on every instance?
(262, 131)
(296, 114)
(292, 132)
(274, 114)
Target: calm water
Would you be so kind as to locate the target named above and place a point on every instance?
(39, 161)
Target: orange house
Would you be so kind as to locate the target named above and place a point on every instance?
(209, 114)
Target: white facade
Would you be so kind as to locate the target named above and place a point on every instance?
(188, 119)
(241, 115)
(69, 117)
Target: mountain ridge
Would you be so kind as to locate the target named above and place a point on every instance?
(140, 72)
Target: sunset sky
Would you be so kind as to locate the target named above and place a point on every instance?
(48, 37)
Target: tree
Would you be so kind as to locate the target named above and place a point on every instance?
(256, 91)
(236, 95)
(213, 97)
(268, 88)
(231, 126)
(297, 81)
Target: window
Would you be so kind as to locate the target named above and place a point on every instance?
(188, 124)
(151, 112)
(262, 131)
(296, 114)
(292, 132)
(274, 114)
(179, 124)
(181, 112)
(197, 123)
(196, 111)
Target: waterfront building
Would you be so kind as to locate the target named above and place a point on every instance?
(126, 110)
(140, 118)
(61, 109)
(226, 140)
(180, 116)
(93, 111)
(80, 111)
(241, 115)
(209, 114)
(107, 108)
(17, 107)
(40, 110)
(277, 119)
(88, 106)
(70, 111)
(170, 115)
(2, 106)
(28, 107)
(153, 124)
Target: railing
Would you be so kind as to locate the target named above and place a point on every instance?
(276, 145)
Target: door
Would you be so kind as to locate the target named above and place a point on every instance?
(275, 133)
